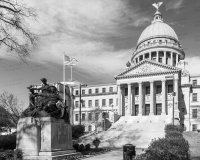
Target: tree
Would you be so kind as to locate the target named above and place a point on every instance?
(11, 108)
(14, 30)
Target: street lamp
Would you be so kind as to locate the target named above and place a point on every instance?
(80, 101)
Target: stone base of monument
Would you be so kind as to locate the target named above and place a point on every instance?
(45, 138)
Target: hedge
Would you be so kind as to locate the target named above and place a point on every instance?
(8, 142)
(77, 131)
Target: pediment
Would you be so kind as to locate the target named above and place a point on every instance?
(147, 67)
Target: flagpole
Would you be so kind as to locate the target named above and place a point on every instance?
(71, 73)
(64, 78)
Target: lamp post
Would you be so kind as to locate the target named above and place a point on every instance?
(80, 101)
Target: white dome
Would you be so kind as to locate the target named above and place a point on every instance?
(157, 29)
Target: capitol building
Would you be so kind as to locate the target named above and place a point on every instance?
(154, 84)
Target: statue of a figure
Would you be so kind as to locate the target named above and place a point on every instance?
(46, 103)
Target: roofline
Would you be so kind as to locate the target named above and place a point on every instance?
(96, 85)
(194, 76)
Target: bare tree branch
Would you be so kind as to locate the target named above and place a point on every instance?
(14, 29)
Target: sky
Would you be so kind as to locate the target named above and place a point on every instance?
(100, 34)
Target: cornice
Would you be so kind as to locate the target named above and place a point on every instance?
(97, 94)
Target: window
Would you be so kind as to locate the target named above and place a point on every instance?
(83, 117)
(103, 102)
(89, 116)
(76, 117)
(76, 92)
(110, 101)
(96, 90)
(194, 127)
(194, 113)
(103, 90)
(194, 97)
(111, 89)
(83, 92)
(90, 103)
(160, 60)
(83, 103)
(148, 90)
(158, 90)
(89, 128)
(136, 91)
(96, 103)
(76, 104)
(96, 116)
(170, 88)
(194, 82)
(90, 91)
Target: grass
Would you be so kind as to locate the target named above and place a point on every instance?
(194, 140)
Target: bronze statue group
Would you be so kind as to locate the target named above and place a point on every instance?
(46, 103)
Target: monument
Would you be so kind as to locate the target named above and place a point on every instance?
(44, 131)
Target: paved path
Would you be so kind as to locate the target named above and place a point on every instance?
(112, 155)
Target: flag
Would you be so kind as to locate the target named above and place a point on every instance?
(70, 61)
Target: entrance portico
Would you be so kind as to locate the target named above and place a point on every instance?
(147, 94)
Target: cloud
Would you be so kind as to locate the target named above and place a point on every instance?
(193, 64)
(173, 5)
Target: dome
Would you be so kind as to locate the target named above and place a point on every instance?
(157, 29)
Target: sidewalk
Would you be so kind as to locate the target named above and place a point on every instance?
(112, 155)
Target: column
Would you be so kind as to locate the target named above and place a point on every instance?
(150, 55)
(119, 99)
(163, 97)
(133, 100)
(151, 98)
(172, 58)
(157, 56)
(143, 56)
(140, 99)
(176, 59)
(129, 99)
(164, 57)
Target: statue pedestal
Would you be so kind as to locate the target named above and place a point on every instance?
(45, 138)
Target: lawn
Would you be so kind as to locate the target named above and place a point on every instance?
(194, 140)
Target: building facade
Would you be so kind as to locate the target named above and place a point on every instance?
(98, 102)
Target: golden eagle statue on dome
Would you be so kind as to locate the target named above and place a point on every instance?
(45, 103)
(157, 5)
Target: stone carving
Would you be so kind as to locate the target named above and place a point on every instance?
(146, 68)
(46, 103)
(185, 73)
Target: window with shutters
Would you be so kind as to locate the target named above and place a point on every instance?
(90, 103)
(96, 103)
(103, 102)
(194, 97)
(83, 117)
(194, 127)
(89, 116)
(76, 117)
(194, 113)
(194, 82)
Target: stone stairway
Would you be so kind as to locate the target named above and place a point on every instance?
(132, 129)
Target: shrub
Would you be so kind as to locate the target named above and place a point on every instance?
(77, 131)
(173, 134)
(170, 148)
(81, 148)
(10, 155)
(171, 127)
(7, 142)
(87, 147)
(76, 146)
